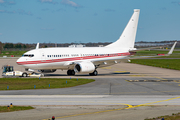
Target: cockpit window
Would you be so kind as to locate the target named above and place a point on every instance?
(28, 55)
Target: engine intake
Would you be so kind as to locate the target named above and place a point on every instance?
(86, 67)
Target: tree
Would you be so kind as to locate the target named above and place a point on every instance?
(18, 46)
(24, 46)
(8, 45)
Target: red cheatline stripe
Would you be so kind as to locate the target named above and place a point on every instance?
(72, 59)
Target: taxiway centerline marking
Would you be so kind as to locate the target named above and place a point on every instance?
(129, 107)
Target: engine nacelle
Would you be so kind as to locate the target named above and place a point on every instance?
(47, 71)
(86, 67)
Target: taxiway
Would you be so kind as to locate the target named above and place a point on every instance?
(122, 91)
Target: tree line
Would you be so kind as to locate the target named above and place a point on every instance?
(19, 46)
(11, 45)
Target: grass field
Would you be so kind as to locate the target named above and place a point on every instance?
(167, 117)
(176, 54)
(14, 108)
(42, 83)
(163, 63)
(9, 53)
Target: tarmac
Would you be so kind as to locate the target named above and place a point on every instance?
(123, 91)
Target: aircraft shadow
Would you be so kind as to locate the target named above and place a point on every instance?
(46, 75)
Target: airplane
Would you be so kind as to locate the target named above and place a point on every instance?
(84, 59)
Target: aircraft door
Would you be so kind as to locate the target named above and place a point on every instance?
(81, 55)
(43, 56)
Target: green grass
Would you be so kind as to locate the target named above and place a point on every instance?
(163, 63)
(176, 54)
(156, 52)
(9, 53)
(43, 83)
(167, 117)
(14, 108)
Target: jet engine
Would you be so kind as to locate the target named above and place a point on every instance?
(86, 67)
(47, 71)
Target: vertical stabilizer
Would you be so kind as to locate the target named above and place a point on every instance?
(127, 38)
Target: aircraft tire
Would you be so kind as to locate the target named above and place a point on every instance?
(70, 72)
(95, 73)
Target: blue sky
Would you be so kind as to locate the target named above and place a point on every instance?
(66, 21)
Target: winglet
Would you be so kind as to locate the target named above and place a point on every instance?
(172, 49)
(37, 46)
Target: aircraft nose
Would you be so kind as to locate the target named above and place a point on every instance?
(19, 61)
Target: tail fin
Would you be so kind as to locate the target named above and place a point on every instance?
(128, 36)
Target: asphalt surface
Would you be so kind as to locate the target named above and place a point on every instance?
(122, 91)
(113, 86)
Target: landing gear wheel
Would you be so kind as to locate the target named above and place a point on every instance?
(24, 75)
(94, 73)
(70, 72)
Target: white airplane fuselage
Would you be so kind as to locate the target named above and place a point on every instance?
(58, 58)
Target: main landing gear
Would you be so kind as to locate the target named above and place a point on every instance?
(94, 73)
(70, 72)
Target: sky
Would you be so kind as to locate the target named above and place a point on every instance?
(83, 21)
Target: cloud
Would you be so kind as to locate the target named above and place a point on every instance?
(2, 11)
(5, 11)
(0, 33)
(11, 3)
(45, 0)
(48, 1)
(70, 3)
(2, 1)
(20, 11)
(109, 10)
(175, 2)
(5, 2)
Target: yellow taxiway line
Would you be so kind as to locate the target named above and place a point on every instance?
(129, 107)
